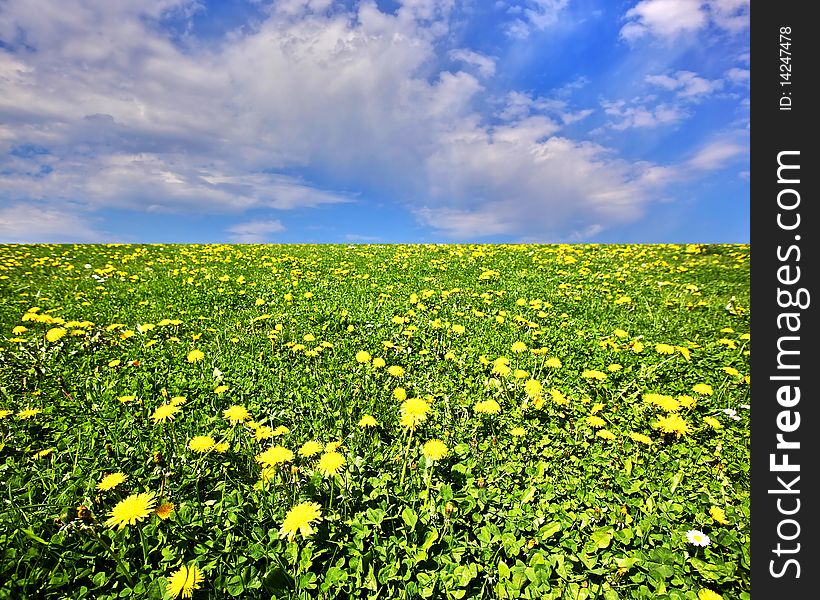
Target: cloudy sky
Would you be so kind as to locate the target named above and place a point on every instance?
(374, 121)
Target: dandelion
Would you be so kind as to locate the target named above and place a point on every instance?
(274, 456)
(178, 401)
(395, 371)
(400, 394)
(281, 430)
(704, 389)
(707, 594)
(553, 363)
(165, 510)
(518, 432)
(19, 330)
(718, 515)
(110, 481)
(518, 347)
(184, 581)
(126, 399)
(362, 357)
(298, 520)
(236, 414)
(330, 463)
(5, 413)
(664, 349)
(687, 401)
(368, 421)
(164, 412)
(28, 413)
(195, 356)
(42, 453)
(641, 438)
(672, 423)
(263, 432)
(731, 371)
(667, 403)
(458, 329)
(595, 421)
(533, 388)
(697, 538)
(310, 448)
(131, 510)
(55, 334)
(378, 363)
(487, 407)
(220, 389)
(221, 447)
(593, 374)
(201, 443)
(333, 446)
(434, 450)
(605, 434)
(413, 412)
(712, 422)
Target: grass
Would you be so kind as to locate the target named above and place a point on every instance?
(540, 499)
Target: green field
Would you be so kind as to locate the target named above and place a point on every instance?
(253, 421)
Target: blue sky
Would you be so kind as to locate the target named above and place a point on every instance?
(359, 121)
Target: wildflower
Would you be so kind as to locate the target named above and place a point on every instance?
(19, 330)
(533, 388)
(131, 510)
(368, 421)
(458, 329)
(5, 413)
(220, 389)
(667, 403)
(687, 401)
(42, 453)
(518, 347)
(281, 430)
(487, 407)
(731, 371)
(664, 349)
(378, 363)
(332, 446)
(672, 423)
(262, 432)
(434, 450)
(165, 510)
(732, 413)
(707, 594)
(275, 455)
(362, 356)
(718, 515)
(164, 412)
(55, 334)
(110, 481)
(201, 443)
(178, 401)
(697, 538)
(593, 374)
(553, 363)
(184, 581)
(28, 413)
(704, 389)
(595, 421)
(605, 434)
(639, 437)
(396, 371)
(330, 463)
(126, 399)
(310, 449)
(195, 356)
(413, 411)
(299, 519)
(221, 447)
(620, 333)
(558, 397)
(236, 414)
(712, 422)
(614, 368)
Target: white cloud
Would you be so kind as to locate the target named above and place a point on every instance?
(716, 154)
(686, 84)
(738, 76)
(32, 224)
(484, 64)
(254, 232)
(629, 116)
(669, 20)
(536, 15)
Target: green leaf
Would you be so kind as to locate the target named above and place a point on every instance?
(409, 517)
(503, 570)
(602, 537)
(549, 530)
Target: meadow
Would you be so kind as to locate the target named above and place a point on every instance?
(374, 421)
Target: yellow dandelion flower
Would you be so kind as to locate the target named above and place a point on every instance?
(28, 413)
(281, 430)
(707, 594)
(110, 481)
(195, 356)
(687, 401)
(553, 363)
(662, 401)
(605, 434)
(520, 374)
(368, 421)
(55, 334)
(704, 389)
(595, 421)
(114, 363)
(222, 447)
(413, 412)
(310, 448)
(274, 456)
(400, 394)
(131, 510)
(593, 374)
(333, 446)
(267, 474)
(518, 432)
(5, 413)
(184, 581)
(298, 520)
(262, 432)
(664, 349)
(126, 399)
(434, 450)
(201, 443)
(221, 389)
(165, 510)
(395, 371)
(672, 423)
(363, 356)
(614, 368)
(713, 423)
(330, 463)
(378, 363)
(19, 330)
(165, 412)
(558, 397)
(236, 414)
(487, 407)
(42, 453)
(639, 437)
(620, 333)
(178, 401)
(533, 388)
(518, 347)
(718, 515)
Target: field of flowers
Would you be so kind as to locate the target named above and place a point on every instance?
(431, 421)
